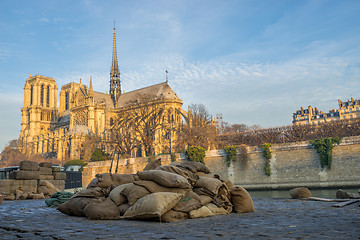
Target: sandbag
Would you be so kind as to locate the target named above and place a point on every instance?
(190, 176)
(153, 164)
(46, 164)
(27, 175)
(216, 210)
(228, 184)
(134, 192)
(189, 202)
(153, 205)
(29, 166)
(48, 184)
(46, 177)
(165, 179)
(107, 179)
(75, 206)
(173, 216)
(44, 190)
(123, 208)
(116, 196)
(93, 183)
(195, 166)
(18, 193)
(202, 192)
(201, 174)
(300, 192)
(153, 187)
(45, 171)
(210, 184)
(204, 199)
(105, 210)
(59, 175)
(23, 196)
(241, 200)
(36, 196)
(200, 213)
(56, 169)
(91, 193)
(9, 197)
(5, 188)
(58, 198)
(62, 194)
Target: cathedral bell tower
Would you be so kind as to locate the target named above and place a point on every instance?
(115, 87)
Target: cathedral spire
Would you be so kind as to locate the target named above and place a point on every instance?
(91, 91)
(115, 74)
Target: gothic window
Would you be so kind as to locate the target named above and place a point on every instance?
(66, 100)
(42, 95)
(47, 96)
(28, 116)
(31, 94)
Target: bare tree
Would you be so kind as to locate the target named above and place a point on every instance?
(87, 147)
(198, 131)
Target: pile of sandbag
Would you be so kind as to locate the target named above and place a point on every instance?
(167, 193)
(29, 170)
(33, 181)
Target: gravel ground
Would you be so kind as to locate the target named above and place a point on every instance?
(272, 219)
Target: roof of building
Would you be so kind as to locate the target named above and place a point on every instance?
(157, 91)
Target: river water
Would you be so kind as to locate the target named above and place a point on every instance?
(323, 193)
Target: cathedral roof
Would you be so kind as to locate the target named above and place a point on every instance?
(157, 91)
(103, 99)
(79, 129)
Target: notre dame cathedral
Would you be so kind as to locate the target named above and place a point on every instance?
(47, 129)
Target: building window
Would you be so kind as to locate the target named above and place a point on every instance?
(42, 95)
(31, 94)
(66, 100)
(351, 116)
(299, 118)
(306, 117)
(344, 111)
(357, 109)
(47, 96)
(350, 109)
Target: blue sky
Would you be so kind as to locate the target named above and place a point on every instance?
(255, 61)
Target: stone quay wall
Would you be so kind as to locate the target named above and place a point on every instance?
(292, 165)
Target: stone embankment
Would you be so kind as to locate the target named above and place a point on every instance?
(292, 165)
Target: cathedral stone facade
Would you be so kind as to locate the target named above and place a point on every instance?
(47, 129)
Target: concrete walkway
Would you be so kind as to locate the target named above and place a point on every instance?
(273, 219)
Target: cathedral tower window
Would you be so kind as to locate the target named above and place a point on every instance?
(31, 94)
(42, 95)
(47, 96)
(66, 100)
